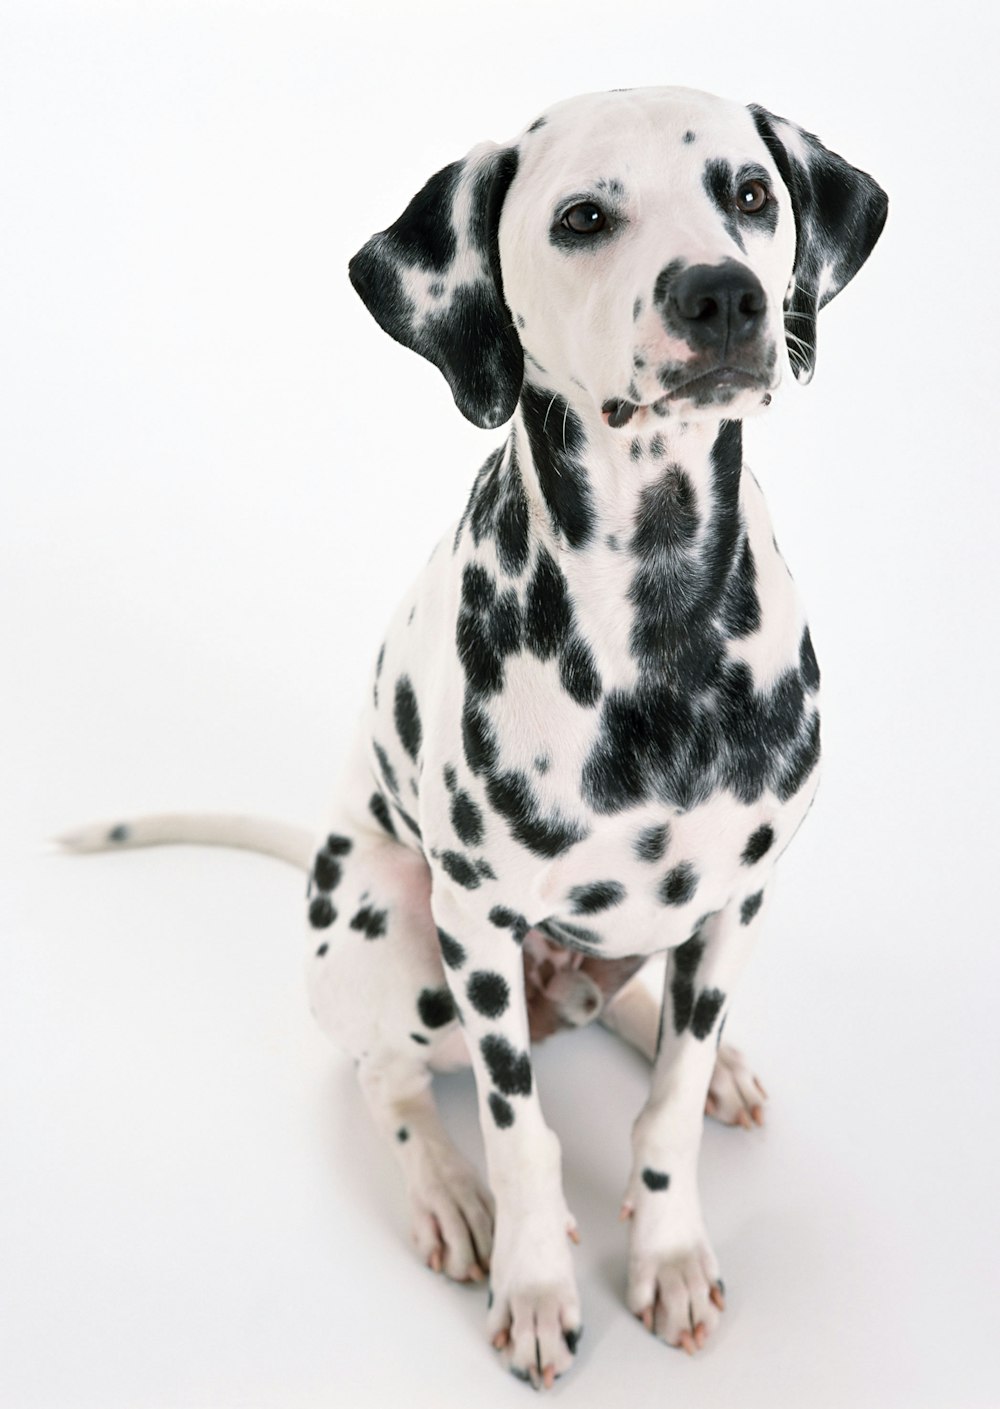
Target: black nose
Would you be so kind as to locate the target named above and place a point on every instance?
(715, 307)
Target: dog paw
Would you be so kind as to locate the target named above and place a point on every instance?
(735, 1096)
(452, 1216)
(541, 1331)
(677, 1293)
(534, 1308)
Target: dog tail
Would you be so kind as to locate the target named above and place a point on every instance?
(292, 844)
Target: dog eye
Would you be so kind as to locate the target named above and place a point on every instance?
(752, 197)
(585, 218)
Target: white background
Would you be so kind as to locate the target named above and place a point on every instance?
(218, 476)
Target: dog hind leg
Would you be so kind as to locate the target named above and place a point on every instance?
(377, 988)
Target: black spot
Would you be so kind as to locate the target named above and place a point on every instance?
(120, 833)
(651, 844)
(388, 772)
(436, 1007)
(740, 615)
(750, 907)
(322, 950)
(498, 509)
(407, 717)
(807, 662)
(557, 441)
(460, 869)
(373, 923)
(488, 993)
(599, 895)
(512, 796)
(572, 1338)
(478, 741)
(452, 952)
(379, 809)
(502, 1111)
(422, 1041)
(803, 758)
(327, 871)
(759, 843)
(450, 778)
(338, 845)
(655, 1179)
(664, 279)
(637, 310)
(466, 818)
(543, 763)
(485, 869)
(547, 611)
(719, 182)
(689, 136)
(706, 1010)
(509, 919)
(409, 821)
(321, 913)
(402, 1134)
(687, 956)
(488, 629)
(679, 885)
(578, 673)
(538, 122)
(509, 1069)
(682, 996)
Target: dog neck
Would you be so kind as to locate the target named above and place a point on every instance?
(641, 526)
(589, 483)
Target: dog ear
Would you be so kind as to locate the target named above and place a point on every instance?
(432, 281)
(839, 215)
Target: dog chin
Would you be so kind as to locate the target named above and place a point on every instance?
(708, 403)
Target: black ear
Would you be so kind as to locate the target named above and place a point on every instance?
(839, 214)
(432, 281)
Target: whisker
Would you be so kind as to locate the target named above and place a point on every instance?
(545, 418)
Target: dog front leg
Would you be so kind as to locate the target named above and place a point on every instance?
(534, 1309)
(673, 1280)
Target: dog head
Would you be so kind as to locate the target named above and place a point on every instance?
(645, 248)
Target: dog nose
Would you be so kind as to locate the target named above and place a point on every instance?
(716, 306)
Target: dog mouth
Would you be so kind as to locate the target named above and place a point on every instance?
(716, 386)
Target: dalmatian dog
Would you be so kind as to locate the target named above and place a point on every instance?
(593, 725)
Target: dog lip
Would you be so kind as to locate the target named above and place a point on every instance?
(724, 376)
(617, 411)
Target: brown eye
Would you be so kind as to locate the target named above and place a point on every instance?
(585, 218)
(751, 197)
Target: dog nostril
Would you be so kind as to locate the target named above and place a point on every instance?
(704, 309)
(751, 303)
